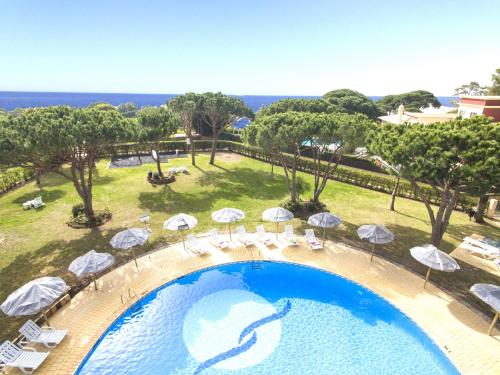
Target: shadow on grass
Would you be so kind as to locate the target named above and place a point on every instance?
(48, 196)
(232, 185)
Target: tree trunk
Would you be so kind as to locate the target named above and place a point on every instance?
(481, 208)
(293, 187)
(87, 202)
(191, 146)
(38, 173)
(158, 164)
(393, 195)
(214, 146)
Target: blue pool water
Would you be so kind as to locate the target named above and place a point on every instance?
(264, 318)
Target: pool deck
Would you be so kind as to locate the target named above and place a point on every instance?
(457, 330)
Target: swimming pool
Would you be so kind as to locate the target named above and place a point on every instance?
(264, 318)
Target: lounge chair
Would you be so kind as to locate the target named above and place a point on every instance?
(216, 240)
(182, 169)
(262, 236)
(312, 240)
(34, 203)
(243, 236)
(194, 245)
(479, 247)
(173, 170)
(47, 336)
(26, 360)
(289, 236)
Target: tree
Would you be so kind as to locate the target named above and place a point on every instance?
(103, 106)
(448, 157)
(220, 111)
(72, 136)
(350, 101)
(297, 105)
(278, 135)
(187, 107)
(18, 145)
(494, 89)
(471, 88)
(127, 109)
(329, 137)
(156, 124)
(412, 101)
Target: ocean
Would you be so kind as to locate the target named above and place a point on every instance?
(10, 100)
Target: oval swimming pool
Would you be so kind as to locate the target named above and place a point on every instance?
(264, 318)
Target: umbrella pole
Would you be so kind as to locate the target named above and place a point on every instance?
(493, 323)
(277, 230)
(427, 277)
(229, 227)
(135, 259)
(183, 243)
(373, 250)
(95, 283)
(44, 313)
(324, 236)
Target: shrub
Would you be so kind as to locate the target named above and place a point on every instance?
(77, 210)
(81, 221)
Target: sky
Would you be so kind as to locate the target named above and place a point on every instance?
(258, 47)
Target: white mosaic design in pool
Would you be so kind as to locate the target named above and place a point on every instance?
(213, 325)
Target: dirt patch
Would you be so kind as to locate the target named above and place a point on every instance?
(228, 157)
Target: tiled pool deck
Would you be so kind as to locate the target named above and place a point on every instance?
(459, 331)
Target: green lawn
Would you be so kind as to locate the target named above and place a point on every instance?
(36, 243)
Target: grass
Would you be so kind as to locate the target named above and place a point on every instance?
(36, 243)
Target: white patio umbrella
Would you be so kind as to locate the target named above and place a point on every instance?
(489, 294)
(432, 257)
(180, 222)
(375, 234)
(34, 296)
(91, 263)
(129, 238)
(324, 220)
(228, 216)
(277, 215)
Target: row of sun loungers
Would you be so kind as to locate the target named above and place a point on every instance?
(480, 247)
(197, 247)
(178, 170)
(28, 359)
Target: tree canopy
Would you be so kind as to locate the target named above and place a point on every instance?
(494, 89)
(350, 101)
(471, 88)
(127, 109)
(412, 101)
(449, 156)
(297, 105)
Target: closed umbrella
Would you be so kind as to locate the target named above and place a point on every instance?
(228, 216)
(375, 234)
(180, 222)
(489, 294)
(91, 263)
(34, 296)
(129, 238)
(434, 258)
(324, 220)
(277, 215)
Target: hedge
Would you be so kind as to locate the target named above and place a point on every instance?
(13, 177)
(358, 177)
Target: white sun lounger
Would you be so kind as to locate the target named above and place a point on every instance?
(216, 240)
(289, 236)
(34, 203)
(47, 336)
(263, 236)
(194, 245)
(182, 169)
(26, 360)
(243, 236)
(312, 240)
(475, 246)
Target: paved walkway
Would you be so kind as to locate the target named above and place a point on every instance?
(459, 331)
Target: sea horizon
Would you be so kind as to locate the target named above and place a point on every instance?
(10, 100)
